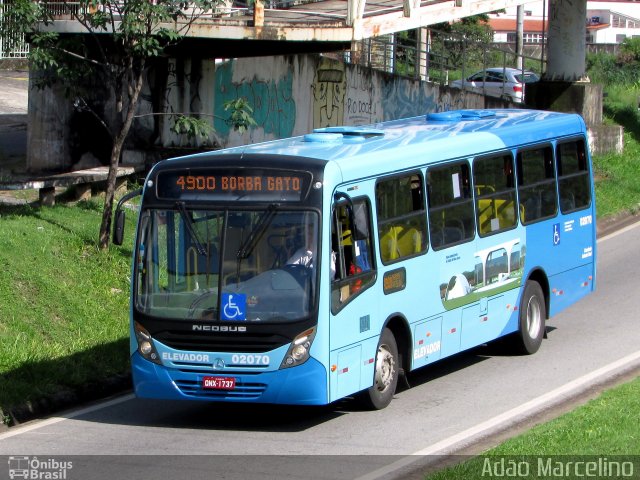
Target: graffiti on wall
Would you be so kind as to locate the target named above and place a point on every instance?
(362, 103)
(274, 108)
(401, 99)
(328, 90)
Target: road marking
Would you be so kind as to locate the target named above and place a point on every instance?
(76, 413)
(619, 232)
(455, 442)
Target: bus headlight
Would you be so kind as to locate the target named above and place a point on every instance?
(145, 344)
(298, 352)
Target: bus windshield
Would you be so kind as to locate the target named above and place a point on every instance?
(227, 265)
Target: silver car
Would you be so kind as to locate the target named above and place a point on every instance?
(506, 83)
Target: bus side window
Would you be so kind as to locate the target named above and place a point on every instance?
(401, 216)
(451, 217)
(353, 260)
(573, 176)
(536, 184)
(495, 194)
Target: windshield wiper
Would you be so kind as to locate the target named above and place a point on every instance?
(188, 221)
(256, 234)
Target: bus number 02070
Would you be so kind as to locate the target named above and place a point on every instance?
(250, 359)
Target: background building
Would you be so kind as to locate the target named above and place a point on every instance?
(607, 22)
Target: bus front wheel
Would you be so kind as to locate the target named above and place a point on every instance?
(385, 379)
(532, 318)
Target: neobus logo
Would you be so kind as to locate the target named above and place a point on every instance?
(217, 328)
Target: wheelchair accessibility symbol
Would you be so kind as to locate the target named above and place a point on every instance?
(234, 306)
(556, 234)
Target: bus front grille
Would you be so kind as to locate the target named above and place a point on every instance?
(242, 391)
(180, 340)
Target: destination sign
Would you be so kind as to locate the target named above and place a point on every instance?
(245, 185)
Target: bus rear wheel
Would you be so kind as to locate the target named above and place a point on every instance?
(532, 317)
(385, 380)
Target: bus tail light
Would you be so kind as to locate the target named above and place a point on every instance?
(298, 352)
(145, 344)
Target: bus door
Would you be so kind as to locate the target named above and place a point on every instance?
(572, 235)
(354, 325)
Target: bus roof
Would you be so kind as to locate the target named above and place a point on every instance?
(418, 140)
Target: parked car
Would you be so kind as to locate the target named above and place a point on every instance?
(507, 83)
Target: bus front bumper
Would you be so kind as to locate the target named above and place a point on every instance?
(305, 384)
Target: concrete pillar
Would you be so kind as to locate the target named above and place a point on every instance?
(566, 41)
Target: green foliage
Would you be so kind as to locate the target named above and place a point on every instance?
(241, 114)
(629, 51)
(621, 69)
(617, 188)
(463, 43)
(192, 127)
(20, 20)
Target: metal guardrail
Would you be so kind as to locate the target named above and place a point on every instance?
(11, 47)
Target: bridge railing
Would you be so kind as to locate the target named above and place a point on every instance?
(11, 45)
(68, 9)
(445, 57)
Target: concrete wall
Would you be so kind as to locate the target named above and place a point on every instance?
(290, 95)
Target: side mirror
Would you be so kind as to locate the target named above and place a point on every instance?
(118, 228)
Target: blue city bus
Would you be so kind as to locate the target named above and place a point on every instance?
(324, 266)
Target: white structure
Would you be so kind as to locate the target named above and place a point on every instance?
(605, 22)
(609, 26)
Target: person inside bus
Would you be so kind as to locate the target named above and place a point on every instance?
(305, 254)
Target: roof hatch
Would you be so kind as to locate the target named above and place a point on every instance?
(458, 115)
(345, 134)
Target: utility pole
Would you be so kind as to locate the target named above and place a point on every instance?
(520, 37)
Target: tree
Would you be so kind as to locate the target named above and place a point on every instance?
(121, 38)
(463, 42)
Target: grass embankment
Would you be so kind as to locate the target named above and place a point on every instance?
(63, 303)
(617, 184)
(604, 429)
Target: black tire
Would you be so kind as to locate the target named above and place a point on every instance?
(385, 378)
(532, 316)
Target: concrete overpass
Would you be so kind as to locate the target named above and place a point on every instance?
(321, 25)
(302, 26)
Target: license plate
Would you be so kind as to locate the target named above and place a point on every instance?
(219, 383)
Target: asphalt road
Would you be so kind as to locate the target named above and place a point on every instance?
(14, 93)
(13, 122)
(451, 406)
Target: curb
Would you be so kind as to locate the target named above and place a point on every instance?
(64, 400)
